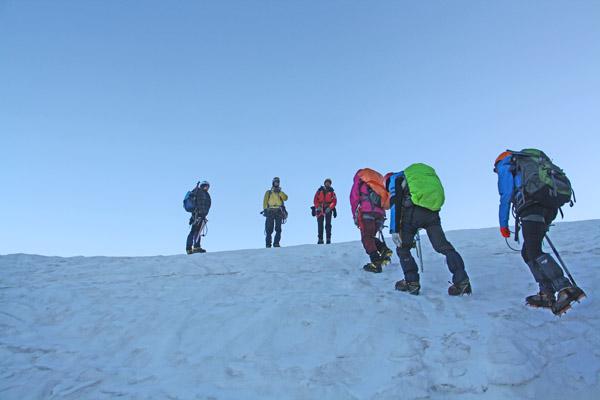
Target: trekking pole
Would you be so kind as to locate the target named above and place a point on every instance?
(419, 250)
(562, 263)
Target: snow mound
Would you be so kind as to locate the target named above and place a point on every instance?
(303, 322)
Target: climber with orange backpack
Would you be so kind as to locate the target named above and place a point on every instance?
(368, 200)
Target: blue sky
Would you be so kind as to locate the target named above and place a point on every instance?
(111, 110)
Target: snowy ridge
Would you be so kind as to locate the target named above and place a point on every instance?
(296, 323)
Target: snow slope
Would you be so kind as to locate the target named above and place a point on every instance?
(295, 323)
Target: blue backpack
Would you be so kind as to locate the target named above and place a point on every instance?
(189, 201)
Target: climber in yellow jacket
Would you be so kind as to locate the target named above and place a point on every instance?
(274, 212)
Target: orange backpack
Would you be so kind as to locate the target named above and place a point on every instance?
(374, 180)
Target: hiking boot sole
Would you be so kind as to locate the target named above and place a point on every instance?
(536, 306)
(562, 311)
(466, 291)
(413, 292)
(569, 305)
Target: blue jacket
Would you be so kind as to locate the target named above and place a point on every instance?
(394, 200)
(507, 185)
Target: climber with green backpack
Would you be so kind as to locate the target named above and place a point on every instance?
(416, 198)
(536, 189)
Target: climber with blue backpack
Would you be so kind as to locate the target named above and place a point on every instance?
(197, 201)
(416, 197)
(536, 189)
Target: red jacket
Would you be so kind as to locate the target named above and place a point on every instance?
(324, 198)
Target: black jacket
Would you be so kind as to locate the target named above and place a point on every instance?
(202, 202)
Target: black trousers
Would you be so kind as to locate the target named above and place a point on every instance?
(327, 219)
(534, 231)
(415, 218)
(545, 270)
(273, 222)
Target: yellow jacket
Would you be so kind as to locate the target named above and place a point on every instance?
(274, 199)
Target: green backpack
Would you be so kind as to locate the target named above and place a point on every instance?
(425, 187)
(541, 181)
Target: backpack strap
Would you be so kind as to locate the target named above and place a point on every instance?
(574, 199)
(278, 195)
(518, 198)
(268, 197)
(397, 187)
(321, 189)
(367, 196)
(325, 192)
(195, 195)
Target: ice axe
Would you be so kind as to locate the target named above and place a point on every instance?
(419, 250)
(203, 229)
(381, 236)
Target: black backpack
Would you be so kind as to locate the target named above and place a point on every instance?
(542, 182)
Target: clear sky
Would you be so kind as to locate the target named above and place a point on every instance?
(111, 110)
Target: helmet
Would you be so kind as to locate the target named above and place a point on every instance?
(502, 156)
(276, 179)
(327, 180)
(204, 183)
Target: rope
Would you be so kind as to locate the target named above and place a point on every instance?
(509, 246)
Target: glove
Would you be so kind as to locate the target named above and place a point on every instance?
(505, 232)
(327, 210)
(334, 213)
(396, 239)
(264, 212)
